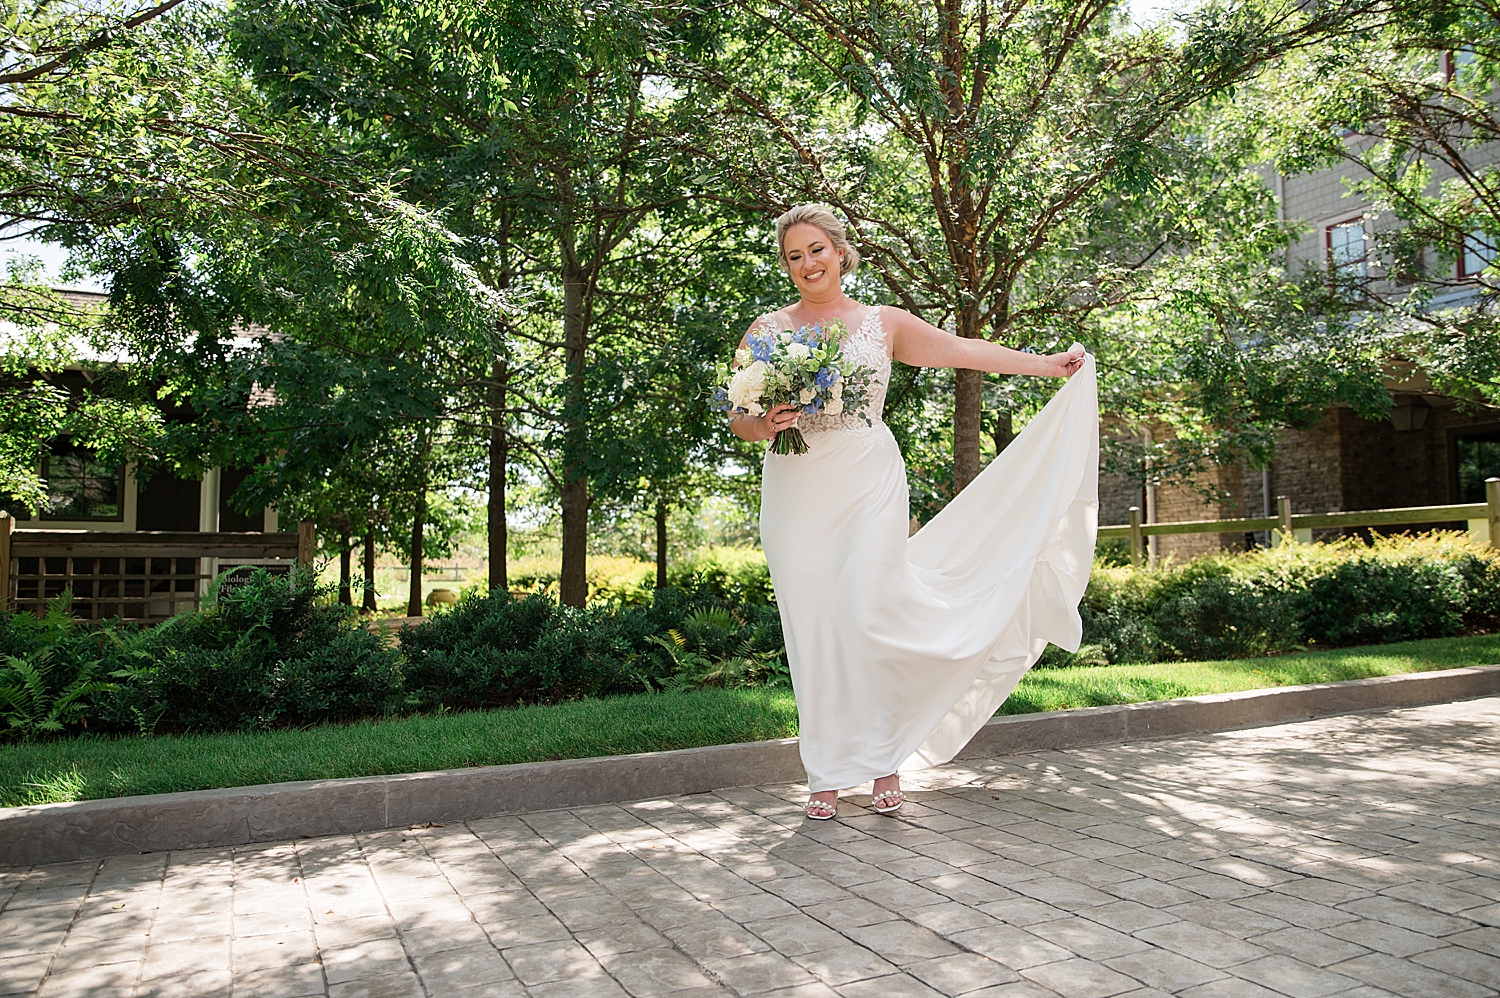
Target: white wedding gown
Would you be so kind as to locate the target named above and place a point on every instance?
(901, 649)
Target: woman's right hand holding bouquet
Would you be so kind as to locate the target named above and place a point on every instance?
(769, 423)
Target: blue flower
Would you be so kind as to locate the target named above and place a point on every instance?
(813, 407)
(760, 348)
(826, 377)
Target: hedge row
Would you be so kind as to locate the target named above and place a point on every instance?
(1291, 597)
(277, 652)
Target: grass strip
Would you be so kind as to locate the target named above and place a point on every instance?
(90, 767)
(1098, 686)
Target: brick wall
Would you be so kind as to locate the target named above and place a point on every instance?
(1116, 495)
(1308, 468)
(1343, 462)
(1174, 504)
(1178, 503)
(1384, 467)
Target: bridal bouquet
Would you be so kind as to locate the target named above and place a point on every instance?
(804, 367)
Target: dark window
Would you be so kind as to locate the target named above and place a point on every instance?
(1479, 252)
(167, 502)
(80, 486)
(231, 518)
(1457, 65)
(1478, 459)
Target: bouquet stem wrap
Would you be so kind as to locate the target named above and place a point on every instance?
(789, 441)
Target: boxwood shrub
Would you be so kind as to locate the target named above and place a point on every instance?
(1294, 596)
(266, 653)
(278, 651)
(500, 649)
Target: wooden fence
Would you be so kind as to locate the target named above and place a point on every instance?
(139, 575)
(1287, 523)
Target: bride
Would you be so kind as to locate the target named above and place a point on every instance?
(900, 649)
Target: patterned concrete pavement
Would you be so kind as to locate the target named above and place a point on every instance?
(1356, 857)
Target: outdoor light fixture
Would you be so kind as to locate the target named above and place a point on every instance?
(1409, 413)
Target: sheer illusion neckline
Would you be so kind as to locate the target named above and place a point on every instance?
(871, 312)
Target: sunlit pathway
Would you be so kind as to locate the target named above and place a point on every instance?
(1357, 856)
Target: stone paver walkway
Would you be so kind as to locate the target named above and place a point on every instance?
(1355, 856)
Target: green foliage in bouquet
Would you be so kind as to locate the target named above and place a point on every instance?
(805, 368)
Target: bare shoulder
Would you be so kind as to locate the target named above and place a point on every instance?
(893, 317)
(779, 317)
(899, 325)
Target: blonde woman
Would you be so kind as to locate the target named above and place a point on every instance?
(900, 649)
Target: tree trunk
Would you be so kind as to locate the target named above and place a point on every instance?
(1005, 432)
(968, 399)
(575, 495)
(661, 544)
(967, 412)
(499, 456)
(414, 597)
(369, 601)
(346, 596)
(498, 531)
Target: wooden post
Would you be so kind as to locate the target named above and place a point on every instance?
(1492, 499)
(1135, 536)
(1284, 514)
(5, 524)
(307, 543)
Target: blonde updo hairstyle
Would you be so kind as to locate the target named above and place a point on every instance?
(823, 218)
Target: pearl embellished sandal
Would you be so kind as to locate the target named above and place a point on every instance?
(888, 802)
(819, 810)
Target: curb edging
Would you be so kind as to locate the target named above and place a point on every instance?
(52, 833)
(1214, 712)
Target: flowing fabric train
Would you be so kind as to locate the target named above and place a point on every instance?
(902, 648)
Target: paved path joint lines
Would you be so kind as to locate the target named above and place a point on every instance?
(1355, 856)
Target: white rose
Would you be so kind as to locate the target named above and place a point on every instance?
(748, 385)
(837, 391)
(807, 396)
(798, 351)
(835, 406)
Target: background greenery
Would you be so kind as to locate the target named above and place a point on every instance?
(501, 245)
(92, 767)
(278, 653)
(455, 277)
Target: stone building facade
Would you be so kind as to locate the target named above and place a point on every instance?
(1429, 452)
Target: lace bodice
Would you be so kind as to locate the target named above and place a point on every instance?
(865, 347)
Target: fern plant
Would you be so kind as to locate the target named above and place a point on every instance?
(693, 670)
(31, 703)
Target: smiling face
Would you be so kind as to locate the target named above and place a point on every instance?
(812, 260)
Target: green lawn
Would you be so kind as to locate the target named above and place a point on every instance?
(89, 767)
(1061, 689)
